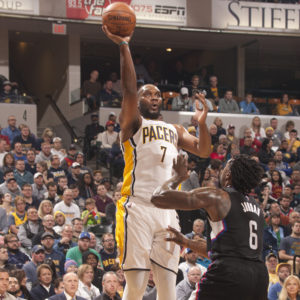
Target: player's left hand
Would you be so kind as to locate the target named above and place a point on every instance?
(201, 114)
(175, 236)
(180, 167)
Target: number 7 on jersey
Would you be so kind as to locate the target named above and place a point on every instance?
(164, 149)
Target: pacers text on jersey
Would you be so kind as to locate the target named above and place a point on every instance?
(158, 132)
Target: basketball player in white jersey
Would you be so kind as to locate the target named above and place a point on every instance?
(149, 147)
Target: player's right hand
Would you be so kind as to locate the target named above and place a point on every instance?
(175, 236)
(116, 38)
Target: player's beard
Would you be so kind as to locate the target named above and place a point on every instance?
(146, 113)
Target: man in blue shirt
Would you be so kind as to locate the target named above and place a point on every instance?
(11, 131)
(247, 106)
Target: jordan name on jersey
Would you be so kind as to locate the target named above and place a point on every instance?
(249, 207)
(159, 132)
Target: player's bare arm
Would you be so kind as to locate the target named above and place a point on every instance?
(214, 200)
(130, 119)
(177, 237)
(199, 146)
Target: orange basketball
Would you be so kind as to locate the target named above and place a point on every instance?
(119, 18)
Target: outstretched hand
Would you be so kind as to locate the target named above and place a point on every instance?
(180, 167)
(175, 236)
(116, 38)
(201, 114)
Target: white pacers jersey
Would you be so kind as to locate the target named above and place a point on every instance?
(148, 159)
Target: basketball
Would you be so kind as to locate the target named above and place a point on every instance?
(119, 18)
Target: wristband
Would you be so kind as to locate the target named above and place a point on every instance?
(123, 43)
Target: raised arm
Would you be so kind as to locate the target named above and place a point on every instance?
(215, 201)
(199, 146)
(130, 118)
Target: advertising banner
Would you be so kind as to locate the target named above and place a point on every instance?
(167, 12)
(255, 16)
(23, 7)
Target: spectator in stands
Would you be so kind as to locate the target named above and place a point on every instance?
(281, 165)
(113, 117)
(19, 217)
(37, 258)
(47, 137)
(276, 184)
(30, 164)
(271, 264)
(85, 287)
(4, 258)
(277, 133)
(71, 210)
(42, 168)
(270, 135)
(51, 193)
(102, 200)
(11, 130)
(2, 151)
(220, 130)
(190, 261)
(77, 228)
(45, 154)
(44, 289)
(177, 75)
(289, 243)
(21, 175)
(116, 159)
(110, 286)
(18, 152)
(45, 208)
(218, 152)
(80, 201)
(285, 202)
(27, 196)
(198, 228)
(273, 234)
(185, 287)
(296, 195)
(62, 184)
(15, 256)
(4, 279)
(3, 219)
(74, 175)
(110, 209)
(247, 106)
(26, 139)
(108, 253)
(284, 108)
(58, 259)
(257, 131)
(7, 203)
(79, 158)
(60, 220)
(76, 253)
(192, 181)
(266, 152)
(116, 82)
(10, 186)
(195, 84)
(47, 227)
(107, 96)
(30, 228)
(231, 135)
(97, 174)
(86, 186)
(182, 102)
(91, 131)
(65, 243)
(140, 69)
(293, 141)
(213, 134)
(14, 287)
(247, 147)
(290, 288)
(71, 266)
(70, 158)
(228, 104)
(272, 167)
(283, 270)
(7, 94)
(91, 215)
(55, 171)
(288, 127)
(57, 148)
(8, 162)
(38, 187)
(90, 89)
(214, 91)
